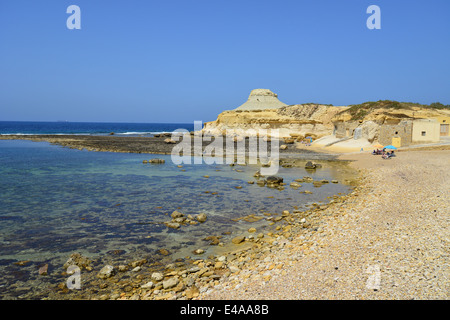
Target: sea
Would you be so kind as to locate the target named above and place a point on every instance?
(89, 128)
(112, 207)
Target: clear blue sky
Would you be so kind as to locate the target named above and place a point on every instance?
(180, 61)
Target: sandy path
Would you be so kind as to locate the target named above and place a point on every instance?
(390, 240)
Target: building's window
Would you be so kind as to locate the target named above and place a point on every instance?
(396, 132)
(424, 133)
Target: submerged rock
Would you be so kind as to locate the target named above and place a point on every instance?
(156, 161)
(78, 260)
(238, 239)
(176, 214)
(172, 224)
(106, 272)
(43, 270)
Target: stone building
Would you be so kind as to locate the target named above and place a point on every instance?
(399, 133)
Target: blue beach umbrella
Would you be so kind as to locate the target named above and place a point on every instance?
(390, 147)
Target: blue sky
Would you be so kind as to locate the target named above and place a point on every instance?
(180, 61)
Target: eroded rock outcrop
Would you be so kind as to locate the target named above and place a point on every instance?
(263, 111)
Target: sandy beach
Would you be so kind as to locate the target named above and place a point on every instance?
(387, 240)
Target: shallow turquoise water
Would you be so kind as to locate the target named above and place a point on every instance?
(55, 201)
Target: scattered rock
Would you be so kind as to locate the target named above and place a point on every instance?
(43, 270)
(213, 240)
(238, 239)
(148, 285)
(310, 165)
(78, 260)
(176, 214)
(233, 269)
(199, 251)
(289, 141)
(164, 252)
(170, 283)
(169, 141)
(283, 147)
(201, 217)
(172, 224)
(138, 263)
(122, 268)
(157, 161)
(192, 292)
(157, 276)
(273, 180)
(106, 272)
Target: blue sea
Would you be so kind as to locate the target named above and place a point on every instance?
(90, 128)
(111, 207)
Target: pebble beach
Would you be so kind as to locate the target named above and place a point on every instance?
(389, 239)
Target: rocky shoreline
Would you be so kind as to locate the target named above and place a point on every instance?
(159, 144)
(330, 251)
(185, 279)
(166, 279)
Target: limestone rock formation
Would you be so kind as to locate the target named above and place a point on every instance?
(261, 99)
(294, 121)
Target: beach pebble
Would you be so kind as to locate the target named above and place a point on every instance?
(170, 283)
(233, 269)
(148, 285)
(157, 276)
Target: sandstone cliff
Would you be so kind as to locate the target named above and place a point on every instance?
(294, 120)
